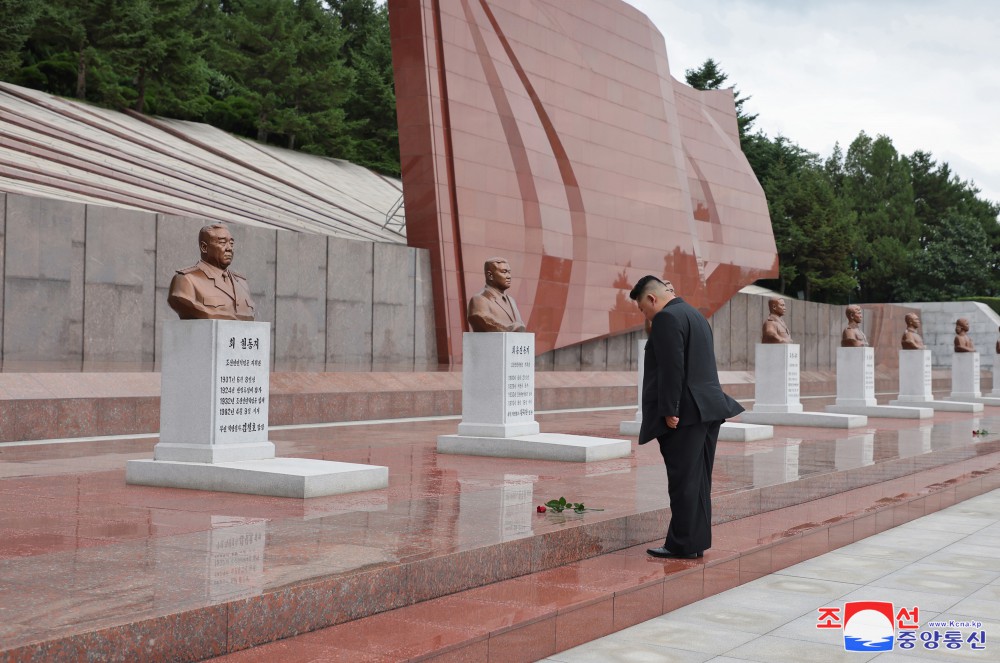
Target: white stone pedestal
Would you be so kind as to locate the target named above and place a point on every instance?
(776, 391)
(995, 370)
(632, 426)
(213, 420)
(498, 407)
(965, 379)
(965, 376)
(856, 388)
(729, 432)
(915, 381)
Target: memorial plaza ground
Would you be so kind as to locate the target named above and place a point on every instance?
(452, 562)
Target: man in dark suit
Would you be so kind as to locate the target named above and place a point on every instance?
(683, 406)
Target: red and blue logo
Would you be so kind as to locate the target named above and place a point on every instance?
(868, 626)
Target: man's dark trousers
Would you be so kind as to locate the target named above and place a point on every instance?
(689, 454)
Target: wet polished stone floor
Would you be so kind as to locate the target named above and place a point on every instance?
(89, 565)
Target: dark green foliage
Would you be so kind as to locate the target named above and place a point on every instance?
(305, 74)
(17, 20)
(870, 225)
(711, 77)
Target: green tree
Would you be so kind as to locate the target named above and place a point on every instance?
(87, 48)
(956, 261)
(710, 76)
(875, 184)
(281, 65)
(17, 19)
(170, 70)
(371, 104)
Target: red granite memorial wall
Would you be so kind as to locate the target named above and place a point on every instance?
(552, 133)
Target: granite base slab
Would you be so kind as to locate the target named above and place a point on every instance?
(630, 427)
(730, 432)
(886, 411)
(817, 419)
(277, 477)
(992, 401)
(744, 432)
(942, 406)
(543, 446)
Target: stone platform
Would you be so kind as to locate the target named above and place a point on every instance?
(102, 569)
(885, 411)
(941, 405)
(540, 446)
(280, 477)
(817, 419)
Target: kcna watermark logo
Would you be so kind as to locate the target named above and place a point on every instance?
(877, 626)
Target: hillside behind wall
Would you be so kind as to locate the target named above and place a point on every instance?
(84, 287)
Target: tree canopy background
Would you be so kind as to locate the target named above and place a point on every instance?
(863, 225)
(868, 224)
(309, 75)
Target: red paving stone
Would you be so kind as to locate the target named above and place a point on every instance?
(451, 561)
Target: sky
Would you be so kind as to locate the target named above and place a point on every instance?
(925, 73)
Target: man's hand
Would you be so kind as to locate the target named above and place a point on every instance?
(672, 422)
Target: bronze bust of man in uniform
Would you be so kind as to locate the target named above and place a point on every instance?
(963, 342)
(209, 290)
(911, 337)
(853, 337)
(774, 329)
(492, 310)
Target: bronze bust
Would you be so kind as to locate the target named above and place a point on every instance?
(491, 309)
(774, 329)
(963, 342)
(209, 290)
(853, 337)
(911, 337)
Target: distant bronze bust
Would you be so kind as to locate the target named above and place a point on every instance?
(492, 310)
(963, 342)
(209, 290)
(775, 330)
(911, 337)
(853, 337)
(998, 345)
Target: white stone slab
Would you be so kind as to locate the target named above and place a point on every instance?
(941, 406)
(915, 378)
(885, 411)
(995, 372)
(776, 378)
(985, 400)
(817, 419)
(214, 391)
(855, 377)
(498, 384)
(740, 432)
(631, 427)
(542, 446)
(278, 477)
(965, 377)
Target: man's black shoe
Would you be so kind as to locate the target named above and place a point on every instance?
(670, 554)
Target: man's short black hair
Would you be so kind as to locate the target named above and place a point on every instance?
(642, 285)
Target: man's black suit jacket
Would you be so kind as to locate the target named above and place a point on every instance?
(680, 378)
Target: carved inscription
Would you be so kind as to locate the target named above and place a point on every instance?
(241, 387)
(519, 396)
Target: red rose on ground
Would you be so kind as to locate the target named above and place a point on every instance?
(541, 509)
